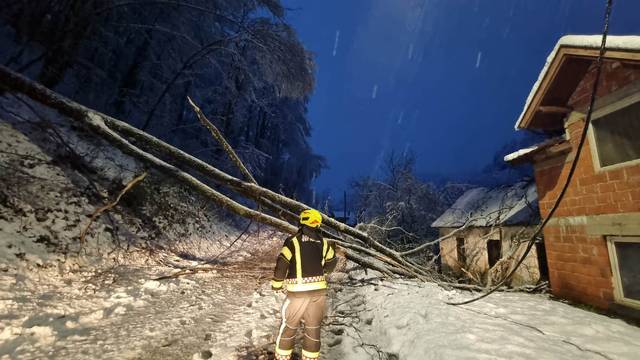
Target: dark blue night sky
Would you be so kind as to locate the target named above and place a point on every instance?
(444, 78)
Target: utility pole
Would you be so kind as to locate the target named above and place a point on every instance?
(346, 217)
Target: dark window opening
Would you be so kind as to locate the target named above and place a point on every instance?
(462, 256)
(494, 250)
(542, 261)
(627, 254)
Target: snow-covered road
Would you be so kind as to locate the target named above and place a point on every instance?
(233, 315)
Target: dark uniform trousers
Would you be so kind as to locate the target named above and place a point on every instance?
(304, 310)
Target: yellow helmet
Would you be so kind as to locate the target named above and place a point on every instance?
(311, 218)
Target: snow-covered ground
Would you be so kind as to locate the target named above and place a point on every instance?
(409, 320)
(60, 299)
(232, 314)
(63, 298)
(122, 313)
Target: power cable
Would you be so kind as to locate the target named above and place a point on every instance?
(572, 170)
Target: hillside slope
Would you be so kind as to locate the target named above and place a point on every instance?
(64, 299)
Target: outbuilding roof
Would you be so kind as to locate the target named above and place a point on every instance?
(515, 204)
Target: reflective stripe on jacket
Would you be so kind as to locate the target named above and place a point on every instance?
(303, 261)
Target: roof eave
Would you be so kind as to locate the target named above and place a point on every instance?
(618, 47)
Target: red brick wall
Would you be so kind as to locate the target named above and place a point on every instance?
(590, 193)
(615, 75)
(579, 267)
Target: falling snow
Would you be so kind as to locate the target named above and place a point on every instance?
(407, 149)
(478, 59)
(335, 43)
(374, 92)
(506, 31)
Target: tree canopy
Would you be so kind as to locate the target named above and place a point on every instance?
(139, 60)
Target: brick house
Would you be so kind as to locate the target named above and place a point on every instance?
(491, 228)
(593, 241)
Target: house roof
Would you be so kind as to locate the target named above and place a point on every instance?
(565, 67)
(515, 204)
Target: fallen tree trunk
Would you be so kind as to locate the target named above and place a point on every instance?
(256, 192)
(104, 126)
(98, 123)
(217, 135)
(225, 145)
(283, 212)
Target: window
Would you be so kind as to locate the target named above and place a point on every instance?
(542, 260)
(494, 251)
(462, 256)
(616, 135)
(624, 253)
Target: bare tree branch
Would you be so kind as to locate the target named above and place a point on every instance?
(225, 145)
(102, 209)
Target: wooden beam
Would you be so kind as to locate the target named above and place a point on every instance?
(623, 55)
(555, 109)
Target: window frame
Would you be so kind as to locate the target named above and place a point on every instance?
(596, 116)
(618, 292)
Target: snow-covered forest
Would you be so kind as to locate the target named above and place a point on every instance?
(139, 60)
(158, 171)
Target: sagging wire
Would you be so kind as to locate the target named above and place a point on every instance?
(572, 170)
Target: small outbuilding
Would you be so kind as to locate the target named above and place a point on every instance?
(491, 228)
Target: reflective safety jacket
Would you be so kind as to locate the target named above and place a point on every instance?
(303, 261)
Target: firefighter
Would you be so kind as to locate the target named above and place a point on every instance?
(300, 269)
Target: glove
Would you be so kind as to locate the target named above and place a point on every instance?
(276, 285)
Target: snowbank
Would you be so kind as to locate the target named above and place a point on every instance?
(409, 320)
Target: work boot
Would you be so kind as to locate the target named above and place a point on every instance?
(282, 357)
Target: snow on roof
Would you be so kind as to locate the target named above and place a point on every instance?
(516, 154)
(580, 41)
(508, 205)
(533, 148)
